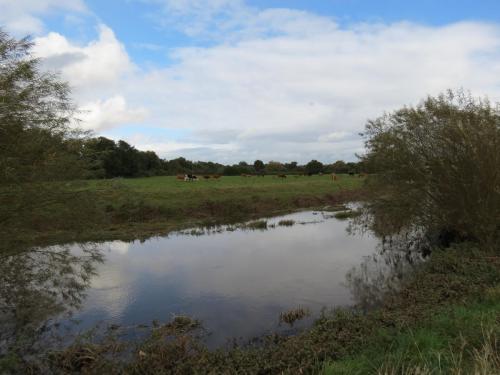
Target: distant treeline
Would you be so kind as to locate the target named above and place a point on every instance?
(108, 159)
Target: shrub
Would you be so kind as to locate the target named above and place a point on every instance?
(438, 166)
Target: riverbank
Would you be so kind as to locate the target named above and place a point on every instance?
(444, 317)
(128, 209)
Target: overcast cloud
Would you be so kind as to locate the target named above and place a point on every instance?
(275, 84)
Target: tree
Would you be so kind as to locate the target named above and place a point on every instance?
(291, 166)
(437, 167)
(258, 165)
(275, 166)
(340, 167)
(38, 145)
(35, 116)
(314, 167)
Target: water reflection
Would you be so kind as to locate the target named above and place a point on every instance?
(236, 282)
(383, 271)
(235, 279)
(39, 284)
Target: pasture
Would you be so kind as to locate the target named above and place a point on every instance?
(171, 193)
(228, 196)
(142, 207)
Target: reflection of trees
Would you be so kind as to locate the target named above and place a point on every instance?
(39, 284)
(384, 271)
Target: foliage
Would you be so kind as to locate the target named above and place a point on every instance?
(258, 165)
(39, 147)
(111, 159)
(108, 159)
(438, 166)
(314, 167)
(36, 141)
(35, 286)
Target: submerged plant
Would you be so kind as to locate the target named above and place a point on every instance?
(258, 224)
(292, 315)
(286, 223)
(342, 215)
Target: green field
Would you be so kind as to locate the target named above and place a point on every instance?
(164, 202)
(170, 193)
(141, 207)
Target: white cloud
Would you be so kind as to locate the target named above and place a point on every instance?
(104, 114)
(334, 136)
(300, 93)
(275, 83)
(22, 16)
(101, 62)
(97, 72)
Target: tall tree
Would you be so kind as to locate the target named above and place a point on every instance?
(314, 167)
(35, 114)
(258, 165)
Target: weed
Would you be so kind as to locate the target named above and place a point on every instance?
(342, 215)
(286, 223)
(291, 316)
(258, 224)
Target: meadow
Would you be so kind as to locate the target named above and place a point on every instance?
(141, 207)
(154, 203)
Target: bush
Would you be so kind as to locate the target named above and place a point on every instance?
(438, 166)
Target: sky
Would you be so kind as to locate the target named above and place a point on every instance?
(236, 80)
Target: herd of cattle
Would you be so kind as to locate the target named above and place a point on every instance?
(192, 177)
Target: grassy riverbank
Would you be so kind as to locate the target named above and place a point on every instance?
(444, 320)
(142, 207)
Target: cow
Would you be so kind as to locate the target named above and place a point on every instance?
(190, 177)
(334, 177)
(216, 176)
(180, 177)
(206, 177)
(281, 176)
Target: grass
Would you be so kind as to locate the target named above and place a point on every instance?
(142, 207)
(458, 340)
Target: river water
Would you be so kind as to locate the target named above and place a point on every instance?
(235, 280)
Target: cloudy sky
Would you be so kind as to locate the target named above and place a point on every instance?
(232, 80)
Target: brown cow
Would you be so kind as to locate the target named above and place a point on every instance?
(216, 176)
(180, 177)
(281, 176)
(206, 177)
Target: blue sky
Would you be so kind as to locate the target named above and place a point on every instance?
(231, 80)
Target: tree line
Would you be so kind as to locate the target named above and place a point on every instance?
(108, 159)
